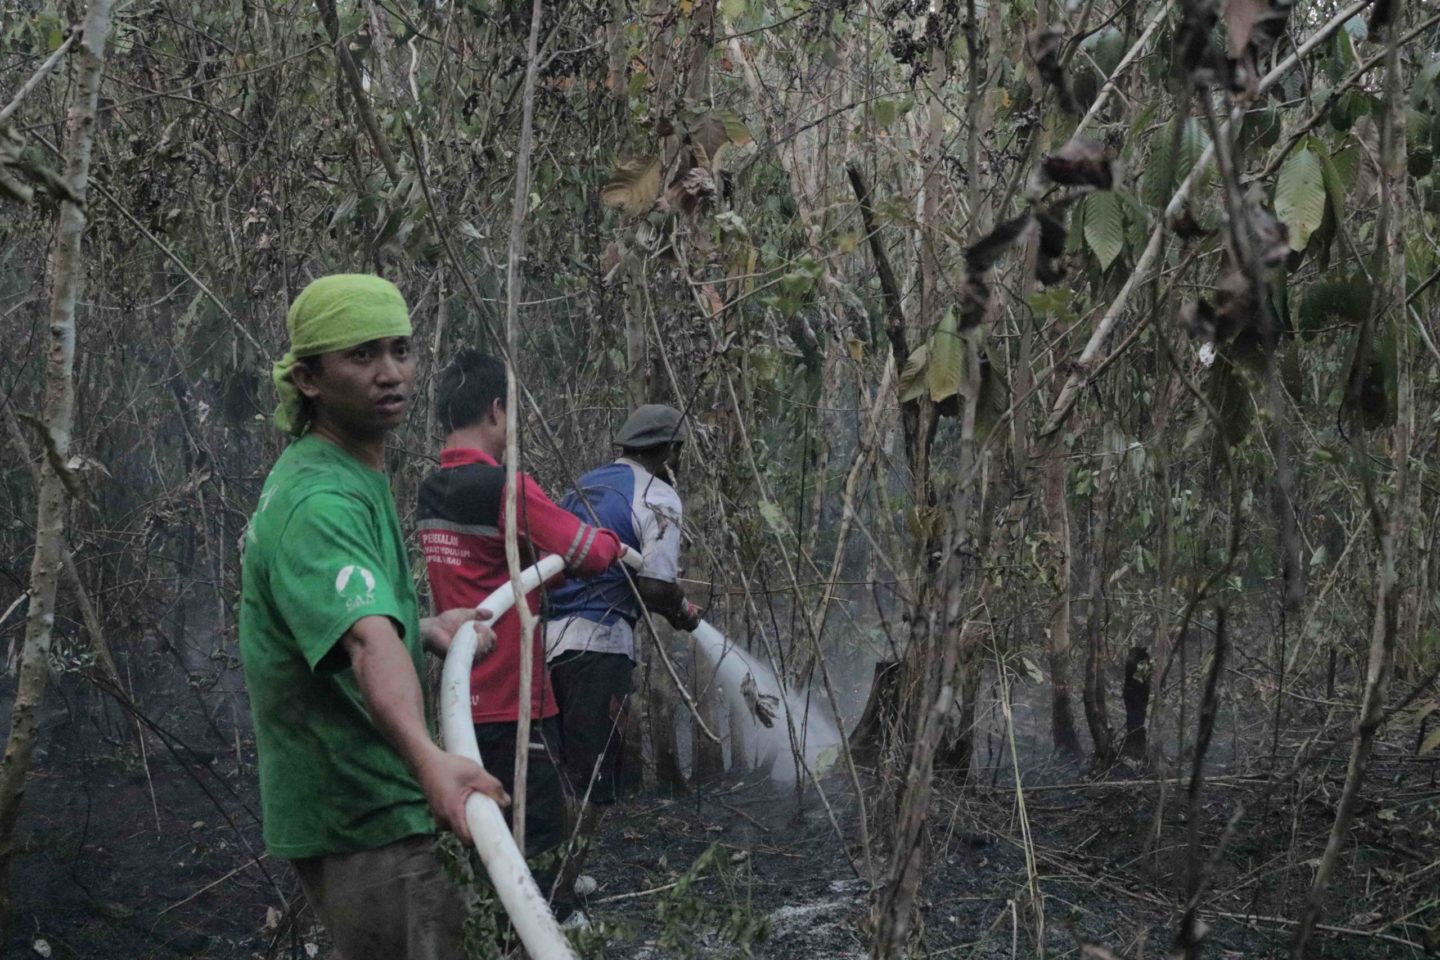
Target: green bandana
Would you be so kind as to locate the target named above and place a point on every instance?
(334, 313)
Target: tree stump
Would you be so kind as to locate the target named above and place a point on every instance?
(881, 714)
(1136, 694)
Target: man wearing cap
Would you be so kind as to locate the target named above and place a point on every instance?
(590, 634)
(351, 784)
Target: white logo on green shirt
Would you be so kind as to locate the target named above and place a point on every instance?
(357, 599)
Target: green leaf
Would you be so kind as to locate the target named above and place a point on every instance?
(774, 518)
(1327, 302)
(1159, 172)
(1177, 150)
(1334, 185)
(1105, 226)
(945, 373)
(1300, 196)
(1137, 222)
(1107, 48)
(733, 10)
(912, 378)
(886, 111)
(1426, 84)
(1261, 128)
(1194, 141)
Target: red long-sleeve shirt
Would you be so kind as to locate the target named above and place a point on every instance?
(462, 532)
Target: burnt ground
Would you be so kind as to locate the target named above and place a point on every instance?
(155, 859)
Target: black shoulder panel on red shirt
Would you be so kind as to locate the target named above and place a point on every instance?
(472, 494)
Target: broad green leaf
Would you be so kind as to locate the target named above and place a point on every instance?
(1261, 128)
(1107, 48)
(733, 10)
(1194, 141)
(945, 373)
(1331, 302)
(1159, 171)
(1347, 164)
(1427, 82)
(1334, 186)
(1350, 107)
(1137, 222)
(1300, 196)
(1105, 226)
(634, 186)
(1177, 149)
(912, 379)
(1342, 56)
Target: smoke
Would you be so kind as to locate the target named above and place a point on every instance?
(771, 714)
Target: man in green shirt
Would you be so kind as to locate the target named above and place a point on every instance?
(351, 784)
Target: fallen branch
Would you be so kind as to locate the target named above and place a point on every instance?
(213, 884)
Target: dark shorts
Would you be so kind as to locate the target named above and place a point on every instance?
(393, 902)
(591, 690)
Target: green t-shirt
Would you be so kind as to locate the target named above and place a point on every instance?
(323, 550)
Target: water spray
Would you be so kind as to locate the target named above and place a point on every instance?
(753, 689)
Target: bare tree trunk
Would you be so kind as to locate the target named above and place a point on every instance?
(1388, 296)
(88, 614)
(937, 639)
(1142, 713)
(528, 623)
(1057, 641)
(1096, 716)
(68, 272)
(1136, 694)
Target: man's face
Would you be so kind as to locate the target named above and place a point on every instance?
(363, 389)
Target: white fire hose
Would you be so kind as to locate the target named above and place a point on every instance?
(528, 909)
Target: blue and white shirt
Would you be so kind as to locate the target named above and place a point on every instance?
(599, 615)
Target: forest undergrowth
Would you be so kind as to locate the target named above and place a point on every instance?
(1062, 380)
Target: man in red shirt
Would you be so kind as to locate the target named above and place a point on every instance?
(462, 533)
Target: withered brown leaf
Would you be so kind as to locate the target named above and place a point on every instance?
(1080, 163)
